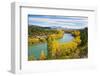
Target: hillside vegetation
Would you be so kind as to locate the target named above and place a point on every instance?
(77, 48)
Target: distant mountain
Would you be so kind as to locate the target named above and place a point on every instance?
(59, 27)
(55, 27)
(39, 27)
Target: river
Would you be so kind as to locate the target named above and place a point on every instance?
(37, 48)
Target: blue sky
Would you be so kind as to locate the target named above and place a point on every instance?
(62, 21)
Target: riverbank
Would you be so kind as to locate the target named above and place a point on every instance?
(41, 39)
(55, 44)
(36, 49)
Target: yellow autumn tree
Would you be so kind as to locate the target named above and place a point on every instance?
(31, 57)
(42, 56)
(53, 46)
(32, 40)
(55, 49)
(76, 33)
(77, 40)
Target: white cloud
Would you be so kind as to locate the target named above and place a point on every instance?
(60, 22)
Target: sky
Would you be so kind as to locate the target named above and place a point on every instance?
(61, 21)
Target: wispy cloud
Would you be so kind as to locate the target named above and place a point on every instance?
(43, 20)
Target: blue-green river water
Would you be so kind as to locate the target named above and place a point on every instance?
(37, 48)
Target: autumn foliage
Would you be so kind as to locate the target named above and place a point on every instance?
(63, 50)
(76, 48)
